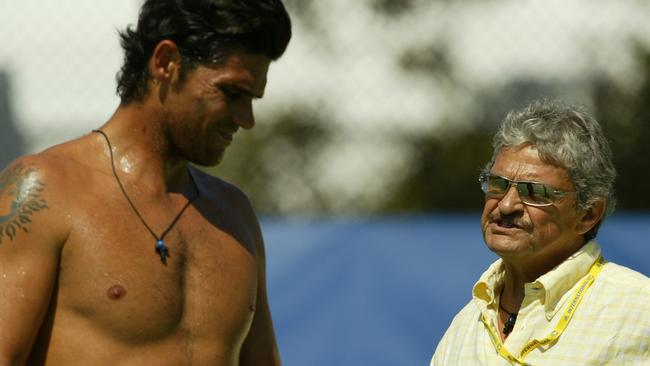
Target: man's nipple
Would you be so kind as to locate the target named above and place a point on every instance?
(116, 292)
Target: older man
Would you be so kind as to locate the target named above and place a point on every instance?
(551, 299)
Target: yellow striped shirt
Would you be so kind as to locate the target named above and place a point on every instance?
(611, 326)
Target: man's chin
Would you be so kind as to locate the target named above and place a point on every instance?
(504, 245)
(208, 160)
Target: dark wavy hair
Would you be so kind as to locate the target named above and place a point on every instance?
(205, 31)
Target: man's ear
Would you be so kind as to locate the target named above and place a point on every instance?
(591, 216)
(165, 62)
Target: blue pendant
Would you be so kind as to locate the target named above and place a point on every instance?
(162, 251)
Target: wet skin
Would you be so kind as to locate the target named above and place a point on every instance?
(81, 283)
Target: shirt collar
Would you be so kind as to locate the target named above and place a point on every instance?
(484, 291)
(558, 281)
(554, 283)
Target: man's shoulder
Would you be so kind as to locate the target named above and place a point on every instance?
(618, 285)
(50, 165)
(58, 173)
(33, 200)
(614, 274)
(230, 206)
(35, 168)
(218, 189)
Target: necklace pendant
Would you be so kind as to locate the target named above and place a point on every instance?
(510, 323)
(162, 251)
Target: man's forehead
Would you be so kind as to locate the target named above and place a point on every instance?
(525, 162)
(245, 70)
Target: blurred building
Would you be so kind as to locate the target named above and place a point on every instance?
(11, 142)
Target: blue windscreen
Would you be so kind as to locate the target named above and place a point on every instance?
(382, 291)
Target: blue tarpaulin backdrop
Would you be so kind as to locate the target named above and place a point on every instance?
(382, 291)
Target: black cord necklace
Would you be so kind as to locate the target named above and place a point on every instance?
(512, 318)
(161, 249)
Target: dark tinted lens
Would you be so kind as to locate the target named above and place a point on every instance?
(496, 186)
(535, 193)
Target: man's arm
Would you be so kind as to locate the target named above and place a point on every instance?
(30, 244)
(260, 347)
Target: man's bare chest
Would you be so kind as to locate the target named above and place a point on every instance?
(112, 277)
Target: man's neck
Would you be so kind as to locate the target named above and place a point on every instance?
(142, 150)
(520, 272)
(512, 292)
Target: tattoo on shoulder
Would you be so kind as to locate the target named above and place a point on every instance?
(20, 198)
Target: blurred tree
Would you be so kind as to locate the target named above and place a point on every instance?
(445, 164)
(392, 8)
(275, 163)
(625, 117)
(280, 162)
(444, 172)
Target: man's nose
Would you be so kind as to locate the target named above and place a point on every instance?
(242, 114)
(511, 202)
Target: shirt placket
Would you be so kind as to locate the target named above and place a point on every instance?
(530, 320)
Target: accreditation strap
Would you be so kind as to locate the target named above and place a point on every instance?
(559, 328)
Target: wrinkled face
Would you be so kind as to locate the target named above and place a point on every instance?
(514, 230)
(206, 108)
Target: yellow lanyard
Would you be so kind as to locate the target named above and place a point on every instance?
(559, 328)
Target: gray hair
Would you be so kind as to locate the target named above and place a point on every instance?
(570, 137)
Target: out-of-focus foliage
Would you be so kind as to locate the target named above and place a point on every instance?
(443, 174)
(625, 117)
(392, 8)
(276, 163)
(283, 162)
(378, 106)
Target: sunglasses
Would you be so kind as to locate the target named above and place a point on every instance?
(531, 193)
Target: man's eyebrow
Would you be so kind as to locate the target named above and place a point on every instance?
(242, 90)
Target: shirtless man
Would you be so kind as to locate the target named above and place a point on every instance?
(113, 249)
